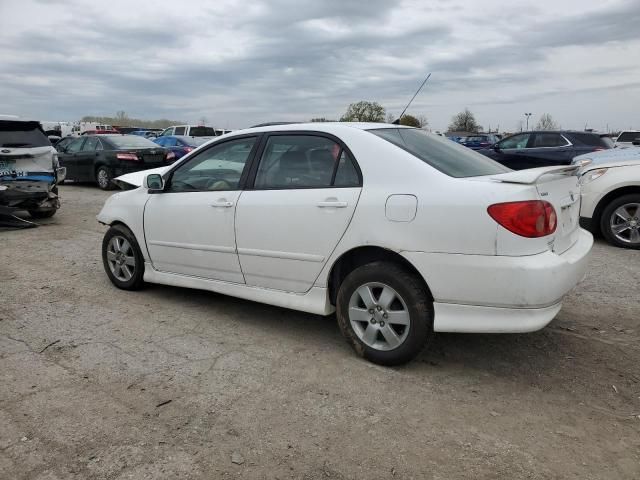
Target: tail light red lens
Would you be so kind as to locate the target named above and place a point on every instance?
(531, 218)
(170, 157)
(187, 149)
(598, 149)
(131, 157)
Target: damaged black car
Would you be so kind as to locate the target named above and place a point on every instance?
(29, 170)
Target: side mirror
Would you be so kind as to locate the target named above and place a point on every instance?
(154, 183)
(496, 146)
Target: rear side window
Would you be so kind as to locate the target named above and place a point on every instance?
(199, 131)
(542, 140)
(591, 139)
(304, 161)
(442, 154)
(22, 135)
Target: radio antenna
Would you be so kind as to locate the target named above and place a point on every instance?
(397, 121)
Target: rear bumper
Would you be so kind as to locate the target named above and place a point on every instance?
(495, 291)
(27, 195)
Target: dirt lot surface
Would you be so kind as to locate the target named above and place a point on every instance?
(98, 383)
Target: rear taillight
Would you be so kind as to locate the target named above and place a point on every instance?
(131, 157)
(187, 149)
(598, 149)
(531, 218)
(170, 157)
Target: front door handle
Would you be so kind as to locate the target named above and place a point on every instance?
(222, 203)
(332, 204)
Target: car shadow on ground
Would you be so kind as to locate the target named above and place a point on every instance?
(509, 355)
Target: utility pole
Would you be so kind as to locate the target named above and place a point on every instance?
(527, 115)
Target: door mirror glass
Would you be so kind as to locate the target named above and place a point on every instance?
(154, 182)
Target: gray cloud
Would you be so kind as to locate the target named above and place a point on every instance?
(241, 63)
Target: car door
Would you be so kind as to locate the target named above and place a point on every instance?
(548, 149)
(86, 158)
(67, 158)
(511, 152)
(190, 227)
(303, 194)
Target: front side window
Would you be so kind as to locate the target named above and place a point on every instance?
(442, 154)
(549, 140)
(217, 168)
(75, 145)
(180, 130)
(303, 161)
(517, 141)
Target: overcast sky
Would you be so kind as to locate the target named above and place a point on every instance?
(237, 63)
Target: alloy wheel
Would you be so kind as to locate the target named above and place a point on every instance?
(103, 178)
(379, 316)
(121, 258)
(625, 223)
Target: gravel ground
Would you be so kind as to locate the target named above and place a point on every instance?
(98, 383)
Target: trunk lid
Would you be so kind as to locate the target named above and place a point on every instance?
(561, 188)
(35, 163)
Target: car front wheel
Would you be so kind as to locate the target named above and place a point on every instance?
(122, 258)
(620, 221)
(385, 312)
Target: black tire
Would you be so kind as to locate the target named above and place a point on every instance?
(104, 178)
(415, 298)
(136, 281)
(609, 213)
(43, 213)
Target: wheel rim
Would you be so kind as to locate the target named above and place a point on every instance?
(625, 223)
(103, 178)
(379, 316)
(121, 258)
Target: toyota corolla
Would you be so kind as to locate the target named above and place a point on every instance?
(399, 232)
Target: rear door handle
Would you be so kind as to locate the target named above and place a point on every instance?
(332, 204)
(222, 203)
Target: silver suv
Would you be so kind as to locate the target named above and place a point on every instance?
(29, 169)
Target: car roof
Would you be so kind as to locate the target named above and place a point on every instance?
(327, 127)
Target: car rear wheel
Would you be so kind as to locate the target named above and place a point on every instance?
(104, 178)
(385, 313)
(122, 258)
(620, 221)
(43, 213)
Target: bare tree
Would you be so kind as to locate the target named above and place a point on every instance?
(423, 121)
(464, 121)
(203, 120)
(390, 117)
(546, 122)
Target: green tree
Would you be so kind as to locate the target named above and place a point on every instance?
(364, 112)
(411, 121)
(464, 121)
(546, 122)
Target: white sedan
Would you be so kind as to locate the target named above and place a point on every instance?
(398, 231)
(611, 197)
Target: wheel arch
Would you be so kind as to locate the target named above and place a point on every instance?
(358, 256)
(608, 198)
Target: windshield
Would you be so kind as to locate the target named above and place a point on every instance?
(202, 132)
(22, 135)
(629, 136)
(441, 153)
(129, 141)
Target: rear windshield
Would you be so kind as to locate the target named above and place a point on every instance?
(628, 136)
(22, 135)
(441, 153)
(130, 141)
(202, 132)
